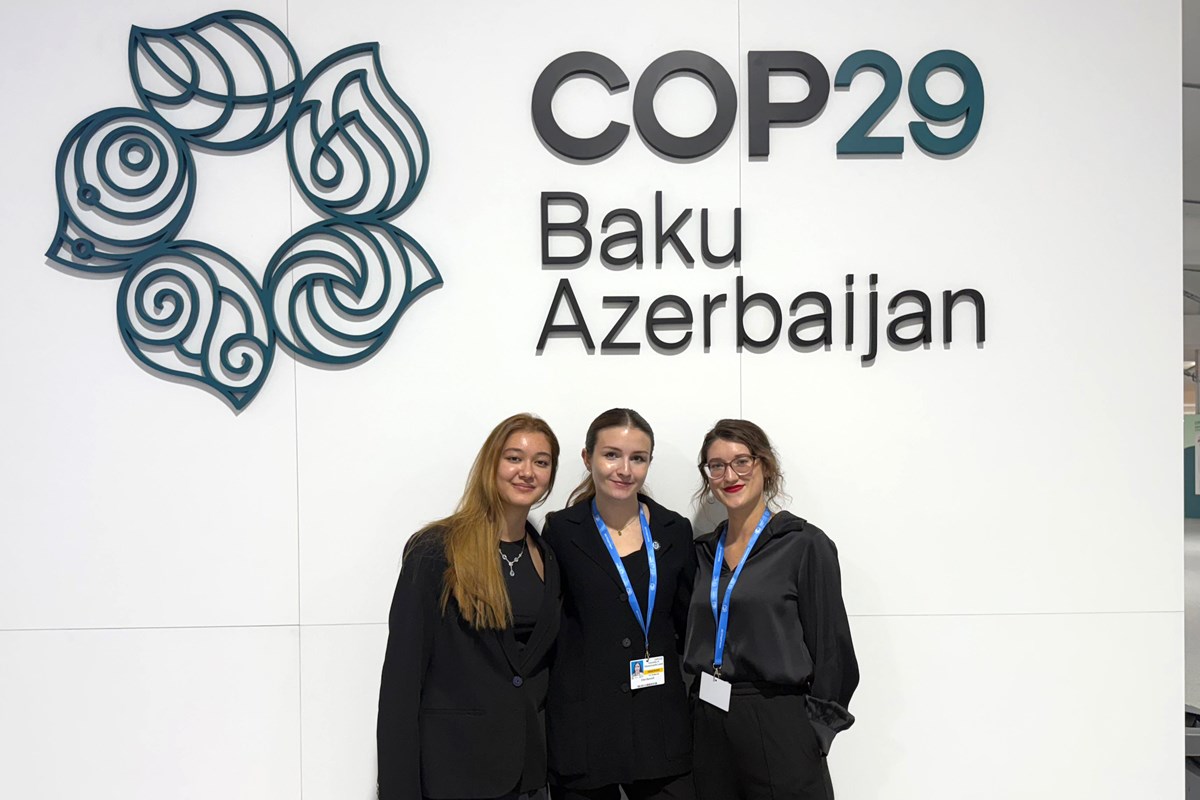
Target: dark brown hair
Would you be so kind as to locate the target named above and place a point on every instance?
(755, 438)
(613, 418)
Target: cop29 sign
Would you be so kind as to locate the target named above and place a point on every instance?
(670, 320)
(334, 291)
(762, 113)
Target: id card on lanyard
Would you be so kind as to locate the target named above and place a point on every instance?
(648, 671)
(713, 689)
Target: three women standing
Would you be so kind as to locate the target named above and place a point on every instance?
(617, 713)
(477, 608)
(472, 623)
(768, 639)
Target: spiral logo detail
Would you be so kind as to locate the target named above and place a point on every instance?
(354, 147)
(125, 182)
(227, 83)
(336, 289)
(193, 312)
(239, 108)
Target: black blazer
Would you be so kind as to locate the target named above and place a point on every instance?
(599, 731)
(460, 710)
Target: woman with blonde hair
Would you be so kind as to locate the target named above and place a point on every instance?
(472, 624)
(768, 640)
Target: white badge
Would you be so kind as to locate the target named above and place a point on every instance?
(715, 691)
(647, 672)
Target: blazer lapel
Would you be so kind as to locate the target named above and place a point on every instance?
(658, 526)
(587, 539)
(662, 542)
(512, 650)
(545, 629)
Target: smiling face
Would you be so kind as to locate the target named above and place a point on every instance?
(619, 462)
(736, 492)
(524, 470)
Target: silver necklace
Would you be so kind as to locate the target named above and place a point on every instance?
(511, 572)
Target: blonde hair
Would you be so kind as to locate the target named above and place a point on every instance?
(471, 533)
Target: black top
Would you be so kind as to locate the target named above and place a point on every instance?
(600, 732)
(459, 708)
(637, 566)
(525, 587)
(787, 622)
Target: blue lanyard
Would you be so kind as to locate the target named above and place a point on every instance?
(722, 619)
(644, 622)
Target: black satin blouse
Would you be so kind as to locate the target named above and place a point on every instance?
(787, 621)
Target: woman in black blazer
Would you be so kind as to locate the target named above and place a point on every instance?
(610, 724)
(471, 629)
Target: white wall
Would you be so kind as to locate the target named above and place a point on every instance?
(193, 602)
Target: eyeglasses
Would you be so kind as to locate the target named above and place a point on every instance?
(742, 466)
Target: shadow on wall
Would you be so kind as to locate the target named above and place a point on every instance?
(707, 516)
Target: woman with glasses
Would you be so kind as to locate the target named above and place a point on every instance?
(472, 624)
(617, 714)
(768, 640)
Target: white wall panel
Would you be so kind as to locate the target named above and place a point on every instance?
(124, 714)
(1034, 705)
(340, 690)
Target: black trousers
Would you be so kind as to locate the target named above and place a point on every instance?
(763, 748)
(678, 787)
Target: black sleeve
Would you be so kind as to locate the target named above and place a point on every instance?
(547, 544)
(827, 636)
(549, 534)
(683, 590)
(411, 624)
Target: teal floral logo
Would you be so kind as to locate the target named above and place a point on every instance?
(231, 82)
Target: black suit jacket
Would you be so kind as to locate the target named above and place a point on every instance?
(599, 731)
(460, 710)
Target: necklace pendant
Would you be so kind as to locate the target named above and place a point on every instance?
(513, 562)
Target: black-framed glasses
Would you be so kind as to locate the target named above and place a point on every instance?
(715, 470)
